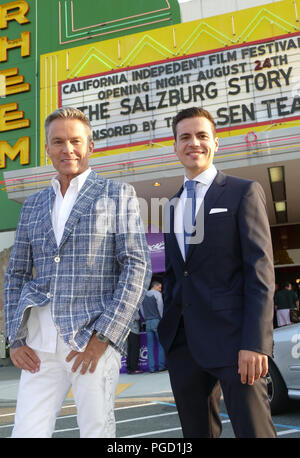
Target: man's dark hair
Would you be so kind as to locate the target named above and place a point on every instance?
(286, 284)
(194, 112)
(155, 283)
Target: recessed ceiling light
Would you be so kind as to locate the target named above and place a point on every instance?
(276, 174)
(280, 206)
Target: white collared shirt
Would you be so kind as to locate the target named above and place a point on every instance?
(42, 333)
(63, 204)
(205, 178)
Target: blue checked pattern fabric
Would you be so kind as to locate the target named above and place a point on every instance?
(189, 212)
(94, 279)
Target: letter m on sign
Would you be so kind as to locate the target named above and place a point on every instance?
(21, 147)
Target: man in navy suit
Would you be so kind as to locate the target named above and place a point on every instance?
(217, 327)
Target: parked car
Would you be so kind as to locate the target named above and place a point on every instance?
(284, 370)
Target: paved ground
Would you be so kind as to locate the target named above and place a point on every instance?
(130, 386)
(144, 410)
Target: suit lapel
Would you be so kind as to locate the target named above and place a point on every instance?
(216, 189)
(169, 227)
(84, 200)
(214, 192)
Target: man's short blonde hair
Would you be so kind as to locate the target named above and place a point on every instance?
(69, 113)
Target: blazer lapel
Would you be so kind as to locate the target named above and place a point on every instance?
(46, 219)
(84, 200)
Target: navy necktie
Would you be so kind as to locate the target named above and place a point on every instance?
(189, 213)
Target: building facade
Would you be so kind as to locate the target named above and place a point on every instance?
(131, 66)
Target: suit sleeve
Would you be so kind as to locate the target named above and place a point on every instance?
(133, 259)
(168, 279)
(258, 269)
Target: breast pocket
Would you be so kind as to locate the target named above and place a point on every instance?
(222, 228)
(225, 250)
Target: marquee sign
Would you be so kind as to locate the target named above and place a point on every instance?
(241, 86)
(12, 83)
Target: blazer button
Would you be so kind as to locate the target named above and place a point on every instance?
(56, 259)
(185, 273)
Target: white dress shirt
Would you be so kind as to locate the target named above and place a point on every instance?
(42, 333)
(205, 179)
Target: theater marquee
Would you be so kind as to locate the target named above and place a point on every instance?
(245, 85)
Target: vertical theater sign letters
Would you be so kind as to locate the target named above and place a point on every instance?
(12, 83)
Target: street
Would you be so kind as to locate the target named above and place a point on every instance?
(151, 419)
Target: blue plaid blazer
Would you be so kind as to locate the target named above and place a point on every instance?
(94, 279)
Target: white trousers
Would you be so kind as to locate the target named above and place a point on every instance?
(283, 317)
(42, 394)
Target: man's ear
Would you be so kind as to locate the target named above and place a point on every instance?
(216, 143)
(175, 149)
(91, 148)
(47, 150)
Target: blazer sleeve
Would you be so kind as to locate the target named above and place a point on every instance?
(258, 266)
(19, 271)
(132, 256)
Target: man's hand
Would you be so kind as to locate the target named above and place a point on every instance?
(252, 366)
(89, 357)
(25, 358)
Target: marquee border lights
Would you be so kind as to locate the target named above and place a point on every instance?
(251, 138)
(130, 19)
(138, 165)
(168, 7)
(262, 14)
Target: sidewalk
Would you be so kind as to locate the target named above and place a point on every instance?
(141, 386)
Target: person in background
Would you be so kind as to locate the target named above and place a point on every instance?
(298, 290)
(133, 349)
(286, 299)
(152, 311)
(78, 269)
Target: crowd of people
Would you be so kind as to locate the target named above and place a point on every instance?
(286, 303)
(147, 318)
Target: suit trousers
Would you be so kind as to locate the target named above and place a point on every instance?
(133, 352)
(197, 393)
(41, 395)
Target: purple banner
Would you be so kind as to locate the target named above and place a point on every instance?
(155, 241)
(143, 359)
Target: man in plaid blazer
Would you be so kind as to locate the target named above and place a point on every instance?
(78, 270)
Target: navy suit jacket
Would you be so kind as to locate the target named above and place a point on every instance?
(224, 289)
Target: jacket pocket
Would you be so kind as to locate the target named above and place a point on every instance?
(218, 215)
(227, 302)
